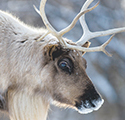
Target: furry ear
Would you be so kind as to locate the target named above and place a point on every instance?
(53, 51)
(87, 44)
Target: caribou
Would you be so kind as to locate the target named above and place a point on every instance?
(39, 67)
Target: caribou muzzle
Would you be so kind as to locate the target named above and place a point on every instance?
(89, 101)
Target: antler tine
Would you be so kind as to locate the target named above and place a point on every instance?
(47, 24)
(67, 29)
(94, 49)
(44, 18)
(82, 19)
(88, 34)
(91, 35)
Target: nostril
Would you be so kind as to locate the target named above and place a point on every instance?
(97, 103)
(88, 104)
(93, 105)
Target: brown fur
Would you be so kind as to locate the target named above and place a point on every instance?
(30, 77)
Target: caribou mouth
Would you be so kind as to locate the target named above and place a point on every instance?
(85, 107)
(89, 101)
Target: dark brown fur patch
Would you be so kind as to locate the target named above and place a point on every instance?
(54, 51)
(2, 103)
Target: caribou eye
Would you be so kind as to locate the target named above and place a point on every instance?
(63, 65)
(66, 65)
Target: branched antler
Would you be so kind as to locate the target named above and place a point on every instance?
(87, 35)
(51, 29)
(92, 49)
(62, 32)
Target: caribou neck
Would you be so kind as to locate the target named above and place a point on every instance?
(25, 107)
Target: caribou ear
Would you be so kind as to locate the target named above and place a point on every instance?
(87, 44)
(53, 51)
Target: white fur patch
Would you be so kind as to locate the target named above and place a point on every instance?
(98, 104)
(84, 110)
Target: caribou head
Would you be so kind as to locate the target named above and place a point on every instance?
(74, 88)
(41, 66)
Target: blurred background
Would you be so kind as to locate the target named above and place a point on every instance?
(107, 73)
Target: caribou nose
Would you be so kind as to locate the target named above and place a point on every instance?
(89, 101)
(97, 104)
(88, 106)
(93, 104)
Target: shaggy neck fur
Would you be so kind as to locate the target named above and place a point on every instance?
(25, 107)
(19, 63)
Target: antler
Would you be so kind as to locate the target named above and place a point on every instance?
(52, 30)
(87, 33)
